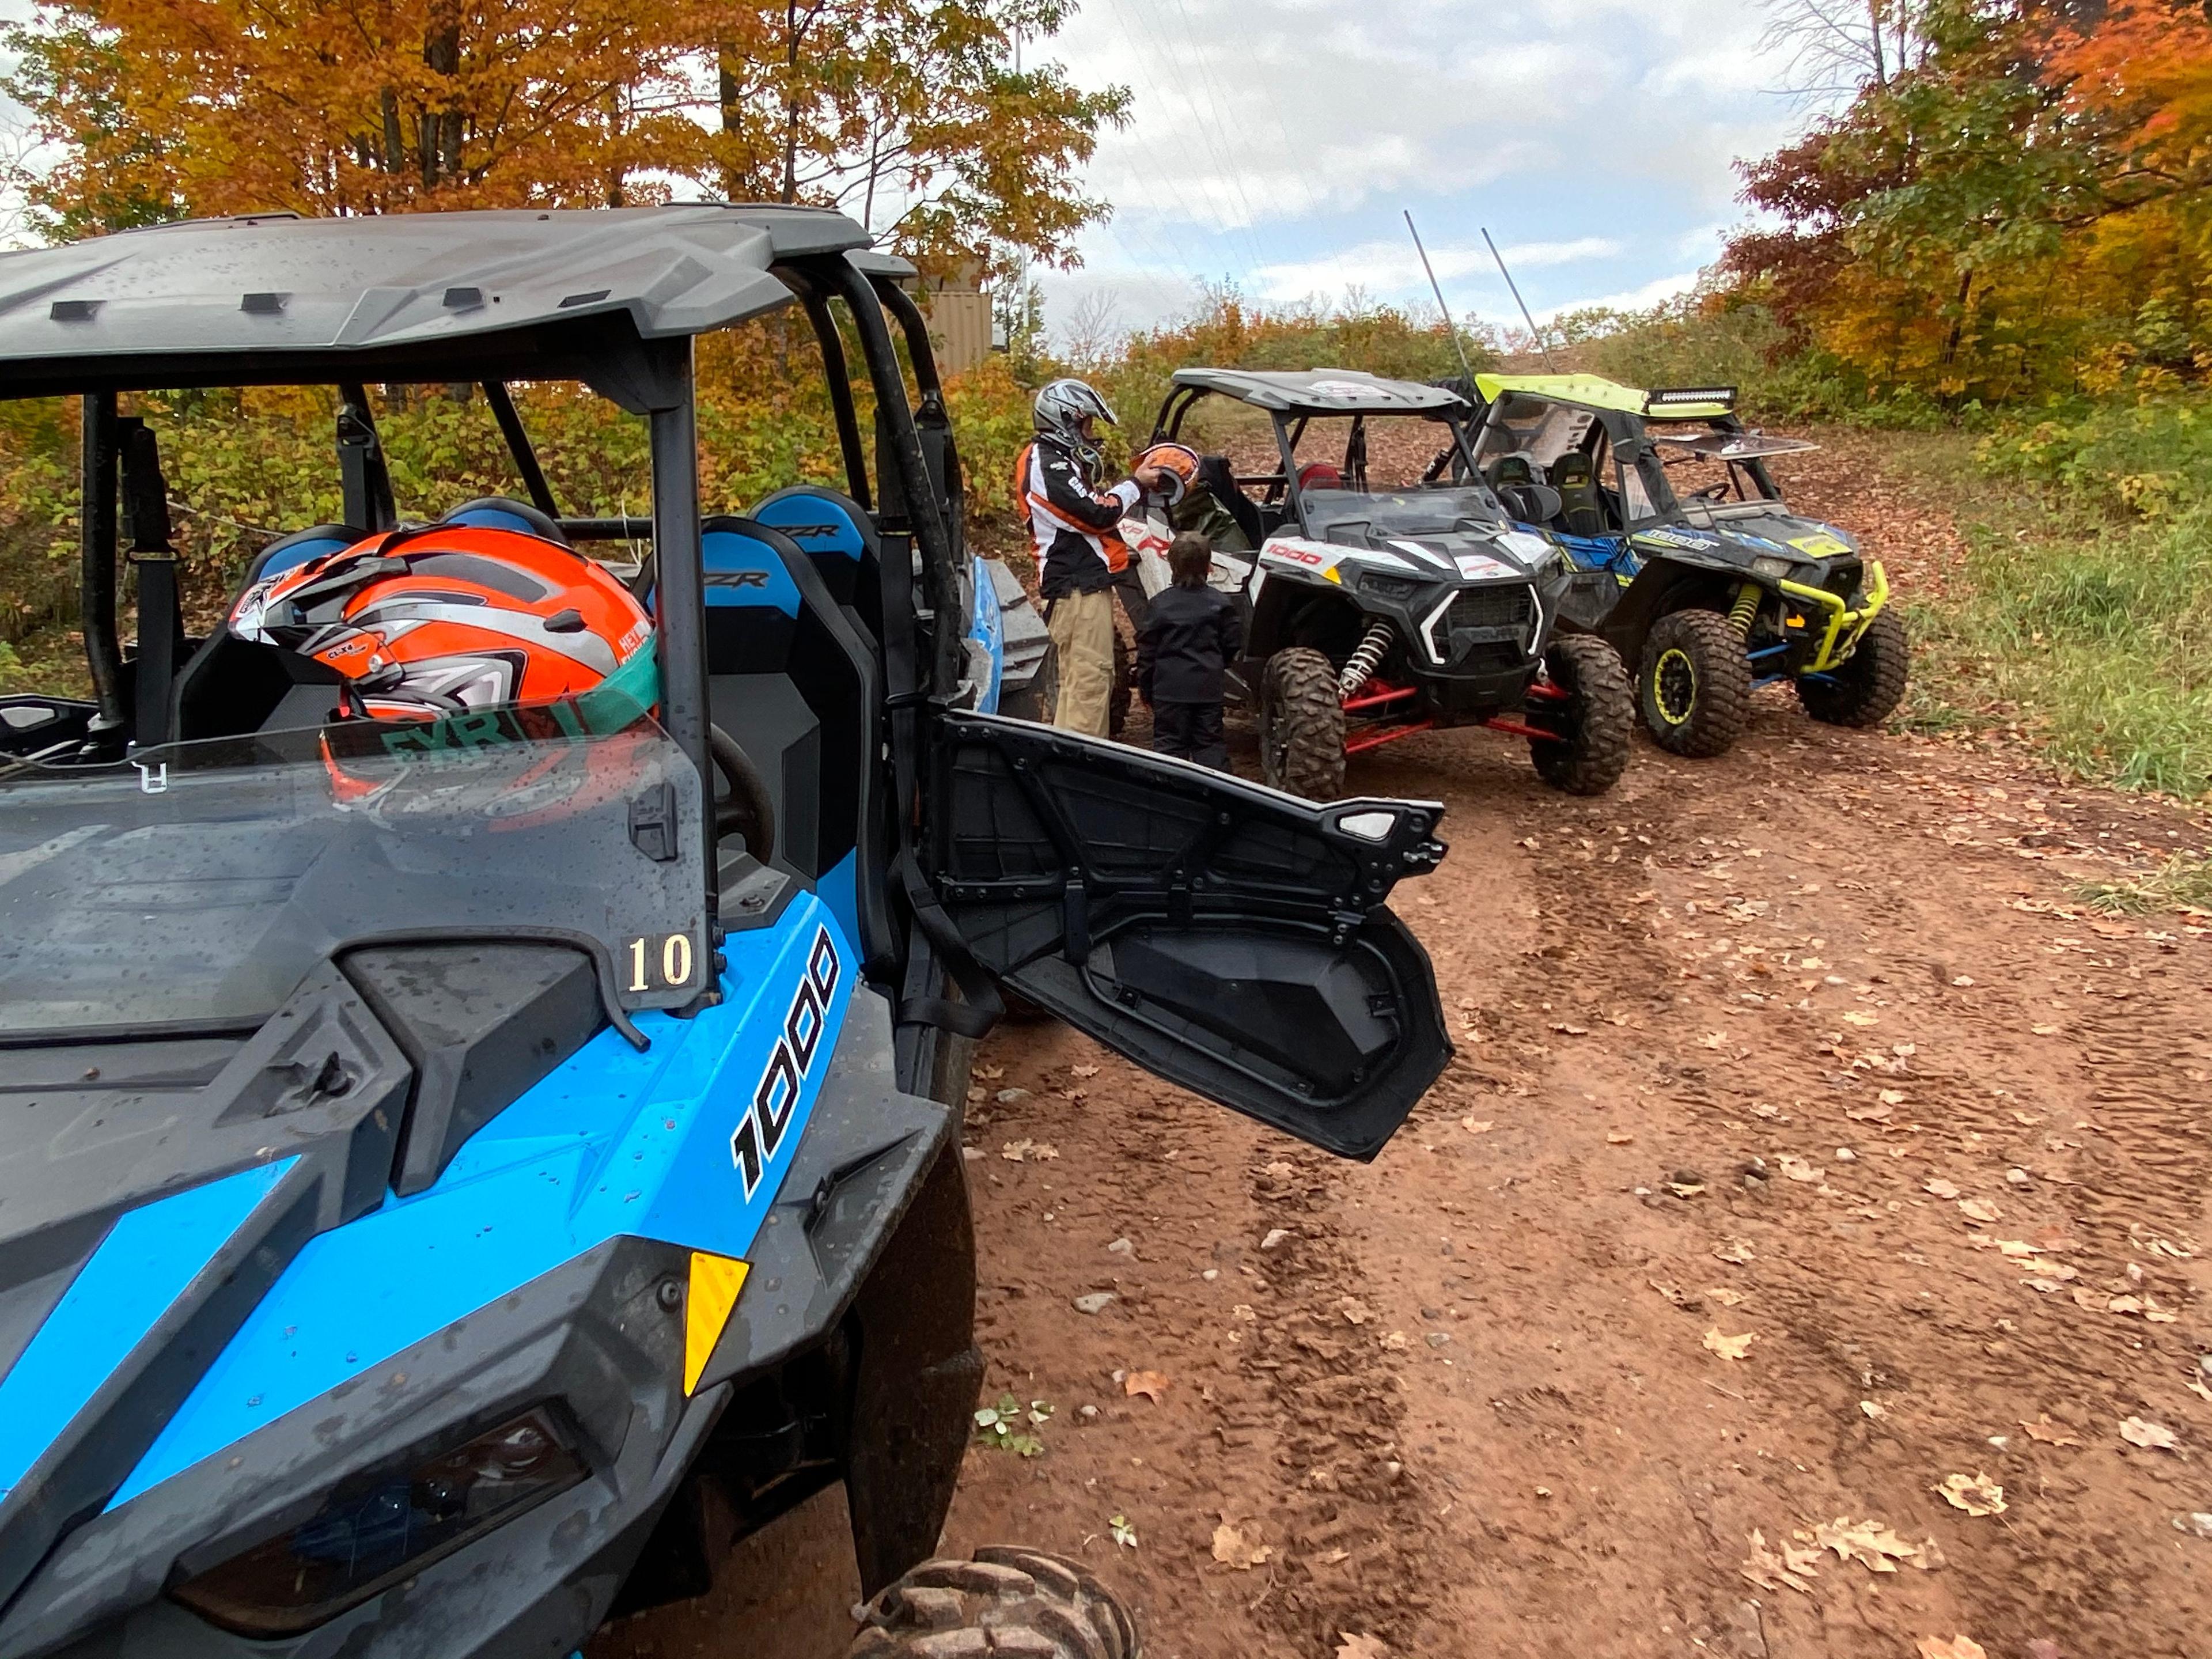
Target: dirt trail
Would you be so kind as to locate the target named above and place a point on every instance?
(1810, 1044)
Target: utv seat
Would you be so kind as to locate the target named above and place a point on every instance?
(1580, 511)
(792, 682)
(1220, 483)
(838, 535)
(501, 513)
(229, 686)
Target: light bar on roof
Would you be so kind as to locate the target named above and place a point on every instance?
(1674, 397)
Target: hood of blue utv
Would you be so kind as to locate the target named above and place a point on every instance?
(434, 1193)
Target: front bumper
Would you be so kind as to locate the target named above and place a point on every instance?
(1841, 625)
(601, 1340)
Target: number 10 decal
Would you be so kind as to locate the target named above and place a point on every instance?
(761, 1131)
(671, 957)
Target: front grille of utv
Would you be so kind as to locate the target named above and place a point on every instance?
(1491, 607)
(1488, 630)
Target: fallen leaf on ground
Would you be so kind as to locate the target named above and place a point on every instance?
(1730, 1347)
(1725, 1297)
(1797, 1169)
(1872, 1408)
(1857, 1016)
(2049, 1433)
(1150, 1384)
(1361, 1646)
(1085, 1070)
(1869, 1114)
(1940, 1188)
(1770, 1571)
(1958, 1647)
(1019, 1152)
(2044, 1030)
(1233, 1549)
(1979, 1209)
(1870, 1542)
(1565, 1030)
(1477, 1126)
(2141, 1431)
(1975, 1494)
(1619, 1137)
(1393, 1340)
(1891, 1096)
(2125, 1305)
(991, 1073)
(1355, 1311)
(1735, 1250)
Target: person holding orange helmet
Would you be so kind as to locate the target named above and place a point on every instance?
(1074, 529)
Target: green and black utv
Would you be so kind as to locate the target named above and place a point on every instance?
(1709, 590)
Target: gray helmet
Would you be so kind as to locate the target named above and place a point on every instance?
(1060, 410)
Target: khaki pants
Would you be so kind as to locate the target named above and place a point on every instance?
(1083, 635)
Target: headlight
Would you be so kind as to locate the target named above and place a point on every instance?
(1771, 567)
(374, 1531)
(1389, 587)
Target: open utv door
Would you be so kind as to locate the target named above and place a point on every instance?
(1222, 935)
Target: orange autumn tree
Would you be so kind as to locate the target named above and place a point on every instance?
(166, 107)
(2027, 208)
(912, 114)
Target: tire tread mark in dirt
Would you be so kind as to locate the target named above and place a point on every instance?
(1342, 1413)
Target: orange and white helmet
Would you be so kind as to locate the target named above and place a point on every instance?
(1178, 461)
(425, 623)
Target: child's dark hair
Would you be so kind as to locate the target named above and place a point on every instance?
(1190, 556)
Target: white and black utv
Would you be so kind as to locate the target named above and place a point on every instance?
(1373, 612)
(457, 1175)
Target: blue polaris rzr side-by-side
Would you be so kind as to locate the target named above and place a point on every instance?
(460, 1174)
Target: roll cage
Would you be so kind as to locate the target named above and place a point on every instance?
(1624, 432)
(645, 370)
(1290, 402)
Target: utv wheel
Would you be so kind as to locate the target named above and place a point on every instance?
(1694, 682)
(1597, 715)
(1004, 1601)
(1302, 725)
(1868, 686)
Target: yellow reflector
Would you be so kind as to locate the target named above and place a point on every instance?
(715, 1282)
(1797, 622)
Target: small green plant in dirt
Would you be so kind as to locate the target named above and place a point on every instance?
(1010, 1425)
(2184, 882)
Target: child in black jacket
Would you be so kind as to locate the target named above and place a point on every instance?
(1190, 636)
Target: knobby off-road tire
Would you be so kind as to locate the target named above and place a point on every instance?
(1599, 711)
(1694, 683)
(1867, 689)
(1302, 725)
(1004, 1601)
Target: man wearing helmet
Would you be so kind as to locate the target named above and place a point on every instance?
(1074, 528)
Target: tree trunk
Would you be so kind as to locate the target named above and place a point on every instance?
(790, 101)
(442, 127)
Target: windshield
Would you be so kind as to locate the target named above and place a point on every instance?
(196, 885)
(1434, 512)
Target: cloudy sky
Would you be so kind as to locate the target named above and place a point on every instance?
(1276, 143)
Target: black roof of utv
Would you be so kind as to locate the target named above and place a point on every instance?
(262, 297)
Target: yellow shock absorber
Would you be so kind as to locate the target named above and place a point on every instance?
(1744, 611)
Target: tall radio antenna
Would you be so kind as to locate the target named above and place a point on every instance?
(1450, 327)
(1523, 303)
